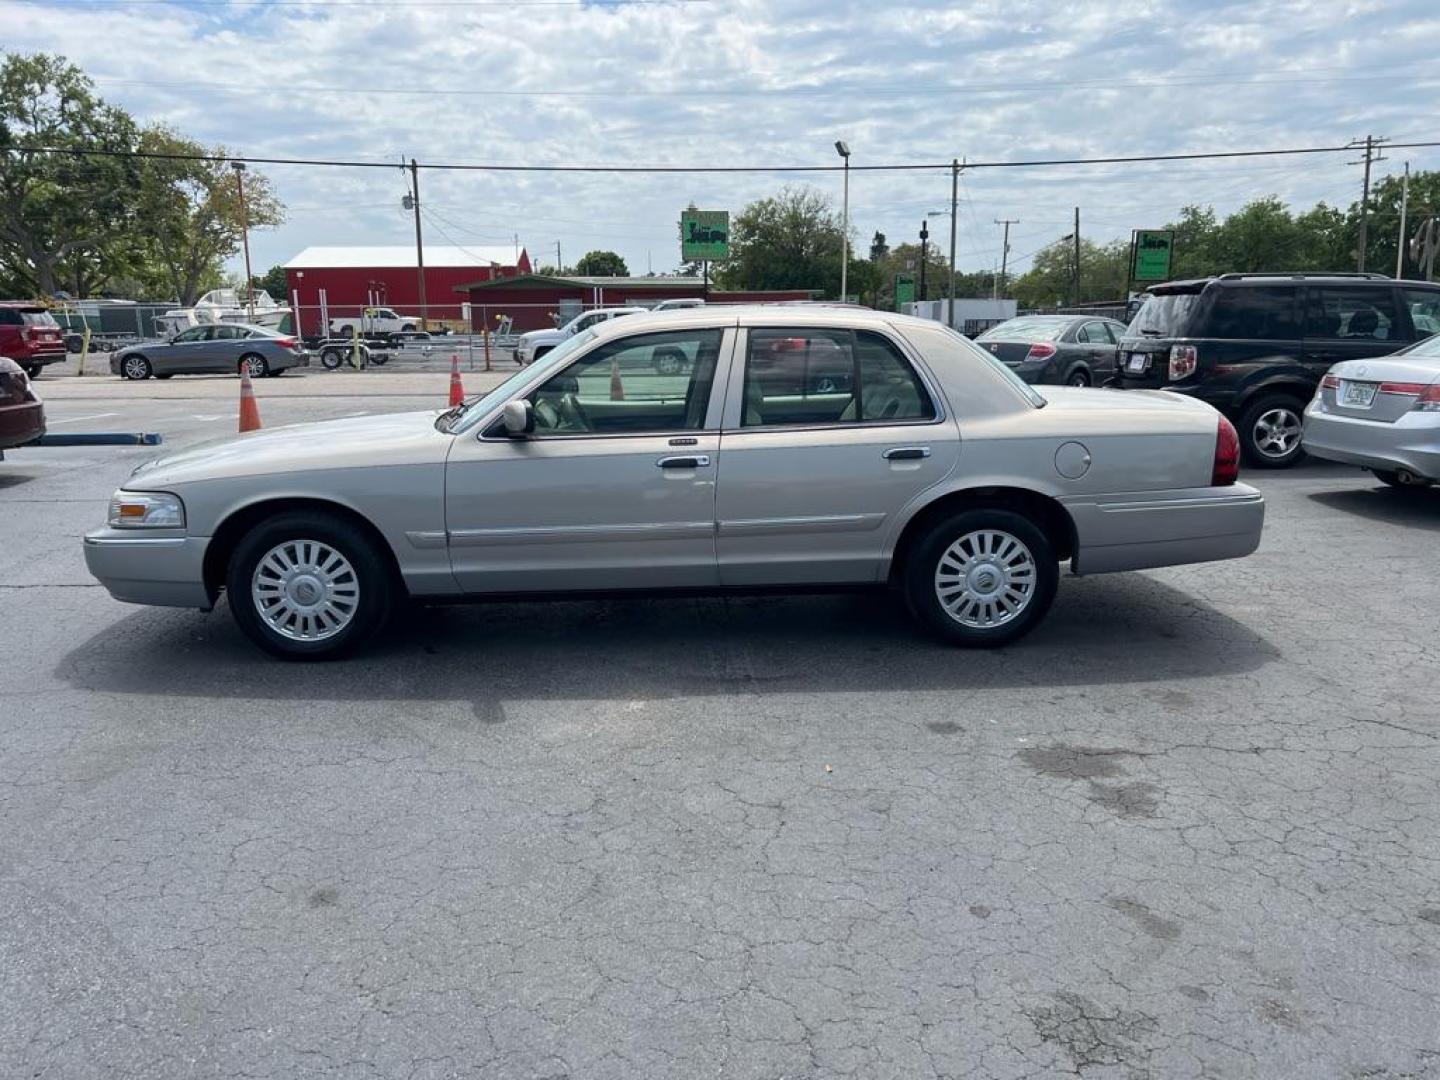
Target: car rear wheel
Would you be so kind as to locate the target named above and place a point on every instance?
(1078, 377)
(981, 577)
(34, 370)
(254, 365)
(135, 367)
(309, 586)
(1270, 431)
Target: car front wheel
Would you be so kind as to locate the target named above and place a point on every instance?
(981, 577)
(1270, 430)
(309, 586)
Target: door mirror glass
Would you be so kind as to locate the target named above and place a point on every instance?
(518, 418)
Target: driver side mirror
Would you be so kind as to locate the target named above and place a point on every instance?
(518, 418)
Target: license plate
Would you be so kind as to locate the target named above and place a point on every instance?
(1138, 363)
(1359, 394)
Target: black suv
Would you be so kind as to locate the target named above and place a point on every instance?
(1256, 345)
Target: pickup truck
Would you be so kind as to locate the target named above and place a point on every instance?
(375, 322)
(537, 343)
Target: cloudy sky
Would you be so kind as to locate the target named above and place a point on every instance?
(759, 83)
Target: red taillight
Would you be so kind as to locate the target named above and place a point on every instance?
(1331, 382)
(1227, 455)
(285, 342)
(1041, 350)
(1402, 387)
(1429, 399)
(1183, 361)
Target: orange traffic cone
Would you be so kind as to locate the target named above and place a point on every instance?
(249, 412)
(617, 388)
(457, 388)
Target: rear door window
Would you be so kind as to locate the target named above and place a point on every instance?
(1264, 312)
(1095, 333)
(1351, 314)
(812, 376)
(11, 317)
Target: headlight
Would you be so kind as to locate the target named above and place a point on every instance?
(146, 510)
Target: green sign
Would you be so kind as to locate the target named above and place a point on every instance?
(904, 291)
(704, 235)
(1150, 254)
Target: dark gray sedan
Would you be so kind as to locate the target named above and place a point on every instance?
(1065, 350)
(218, 349)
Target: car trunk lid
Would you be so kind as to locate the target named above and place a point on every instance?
(1381, 390)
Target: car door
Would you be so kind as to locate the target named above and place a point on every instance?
(1094, 337)
(1349, 322)
(222, 355)
(615, 488)
(183, 354)
(828, 433)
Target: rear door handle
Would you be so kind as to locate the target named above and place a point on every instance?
(906, 453)
(688, 461)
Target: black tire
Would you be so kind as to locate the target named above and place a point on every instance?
(1079, 376)
(258, 365)
(330, 359)
(1395, 480)
(541, 351)
(1261, 432)
(135, 367)
(34, 370)
(408, 328)
(375, 599)
(924, 564)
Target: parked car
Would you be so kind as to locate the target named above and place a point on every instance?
(315, 531)
(1383, 414)
(536, 343)
(212, 350)
(1256, 345)
(30, 336)
(1073, 350)
(22, 413)
(679, 303)
(375, 322)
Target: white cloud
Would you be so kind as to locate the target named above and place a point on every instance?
(734, 82)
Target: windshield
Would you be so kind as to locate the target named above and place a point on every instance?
(472, 411)
(1164, 315)
(1026, 330)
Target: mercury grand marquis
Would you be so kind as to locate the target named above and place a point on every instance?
(781, 448)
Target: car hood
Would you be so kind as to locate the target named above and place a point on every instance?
(540, 335)
(352, 443)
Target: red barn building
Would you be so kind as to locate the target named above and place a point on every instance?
(343, 280)
(538, 302)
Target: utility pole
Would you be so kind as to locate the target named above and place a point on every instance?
(1372, 155)
(559, 262)
(1075, 269)
(1004, 254)
(1400, 241)
(924, 241)
(954, 207)
(239, 167)
(419, 245)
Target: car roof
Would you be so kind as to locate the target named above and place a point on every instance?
(717, 315)
(23, 305)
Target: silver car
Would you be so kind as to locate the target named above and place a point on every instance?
(810, 447)
(216, 349)
(1382, 414)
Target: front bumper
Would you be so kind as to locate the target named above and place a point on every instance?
(1411, 442)
(164, 570)
(1141, 530)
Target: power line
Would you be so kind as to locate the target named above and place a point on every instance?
(670, 169)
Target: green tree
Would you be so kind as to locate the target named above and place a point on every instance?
(904, 260)
(1383, 226)
(273, 282)
(601, 264)
(1049, 281)
(790, 240)
(192, 215)
(65, 218)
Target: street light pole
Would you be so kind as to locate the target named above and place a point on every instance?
(924, 241)
(239, 167)
(954, 206)
(843, 149)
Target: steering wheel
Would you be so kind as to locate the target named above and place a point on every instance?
(547, 416)
(573, 414)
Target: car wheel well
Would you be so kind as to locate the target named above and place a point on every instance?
(1299, 391)
(1048, 515)
(229, 532)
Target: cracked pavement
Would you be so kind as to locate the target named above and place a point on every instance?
(1189, 828)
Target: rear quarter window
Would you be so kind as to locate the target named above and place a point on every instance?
(1164, 315)
(1264, 312)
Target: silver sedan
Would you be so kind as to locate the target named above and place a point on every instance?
(792, 448)
(1382, 414)
(217, 349)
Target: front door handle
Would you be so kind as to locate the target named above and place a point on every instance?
(688, 461)
(906, 453)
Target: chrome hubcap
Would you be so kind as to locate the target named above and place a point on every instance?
(134, 367)
(305, 590)
(985, 579)
(1277, 432)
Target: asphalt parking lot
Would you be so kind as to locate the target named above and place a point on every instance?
(1191, 827)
